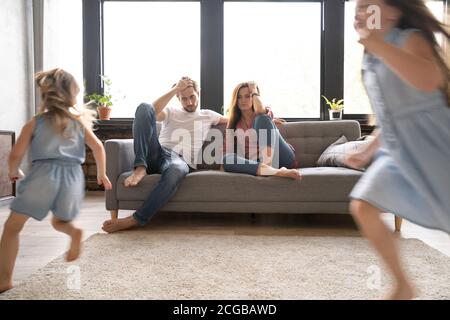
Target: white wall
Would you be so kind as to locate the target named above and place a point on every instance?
(16, 64)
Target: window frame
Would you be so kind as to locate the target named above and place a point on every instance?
(212, 42)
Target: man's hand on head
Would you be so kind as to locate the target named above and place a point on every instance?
(184, 83)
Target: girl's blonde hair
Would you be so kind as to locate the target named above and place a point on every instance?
(59, 90)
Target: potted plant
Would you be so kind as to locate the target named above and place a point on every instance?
(335, 108)
(102, 101)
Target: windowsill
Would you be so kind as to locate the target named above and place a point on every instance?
(114, 121)
(129, 121)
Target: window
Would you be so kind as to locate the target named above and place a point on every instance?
(437, 8)
(63, 38)
(356, 101)
(148, 46)
(296, 50)
(278, 45)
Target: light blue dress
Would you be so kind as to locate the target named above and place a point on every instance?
(56, 181)
(410, 176)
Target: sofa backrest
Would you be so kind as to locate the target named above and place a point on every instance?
(309, 138)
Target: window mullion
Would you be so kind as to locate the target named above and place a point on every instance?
(211, 53)
(333, 52)
(92, 44)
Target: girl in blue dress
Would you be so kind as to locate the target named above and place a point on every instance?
(407, 80)
(55, 139)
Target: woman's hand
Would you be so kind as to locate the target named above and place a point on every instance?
(16, 175)
(279, 121)
(252, 87)
(104, 180)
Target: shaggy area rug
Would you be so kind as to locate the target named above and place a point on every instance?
(144, 264)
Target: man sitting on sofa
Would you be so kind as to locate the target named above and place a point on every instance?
(165, 156)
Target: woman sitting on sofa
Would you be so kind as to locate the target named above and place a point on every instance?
(253, 144)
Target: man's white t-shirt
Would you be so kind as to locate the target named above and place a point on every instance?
(184, 132)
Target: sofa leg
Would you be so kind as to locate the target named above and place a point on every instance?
(114, 214)
(398, 223)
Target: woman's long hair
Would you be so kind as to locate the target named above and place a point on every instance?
(415, 14)
(234, 112)
(58, 99)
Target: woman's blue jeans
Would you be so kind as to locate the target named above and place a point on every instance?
(283, 155)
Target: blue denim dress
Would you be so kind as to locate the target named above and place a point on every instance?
(56, 181)
(410, 176)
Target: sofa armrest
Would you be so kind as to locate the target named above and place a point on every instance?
(119, 159)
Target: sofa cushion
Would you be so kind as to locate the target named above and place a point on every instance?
(318, 184)
(334, 155)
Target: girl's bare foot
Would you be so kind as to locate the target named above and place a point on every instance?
(289, 173)
(402, 292)
(114, 225)
(5, 287)
(138, 174)
(75, 245)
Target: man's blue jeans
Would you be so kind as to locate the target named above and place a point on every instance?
(157, 159)
(283, 156)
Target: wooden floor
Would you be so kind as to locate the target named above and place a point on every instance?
(40, 244)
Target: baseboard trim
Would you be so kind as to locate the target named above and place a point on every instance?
(6, 200)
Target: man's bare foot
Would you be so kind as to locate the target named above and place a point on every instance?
(138, 174)
(75, 245)
(402, 292)
(5, 287)
(289, 173)
(114, 225)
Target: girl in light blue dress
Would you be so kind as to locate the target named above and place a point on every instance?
(407, 82)
(55, 139)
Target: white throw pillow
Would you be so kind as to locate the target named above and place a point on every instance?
(334, 155)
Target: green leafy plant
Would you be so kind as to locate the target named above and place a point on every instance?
(104, 99)
(333, 105)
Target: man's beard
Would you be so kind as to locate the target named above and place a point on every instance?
(190, 108)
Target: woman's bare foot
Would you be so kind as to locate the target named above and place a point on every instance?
(114, 225)
(75, 245)
(402, 292)
(5, 287)
(138, 174)
(289, 173)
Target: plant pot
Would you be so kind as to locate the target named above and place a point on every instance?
(104, 112)
(335, 114)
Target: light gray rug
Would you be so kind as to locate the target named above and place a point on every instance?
(145, 264)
